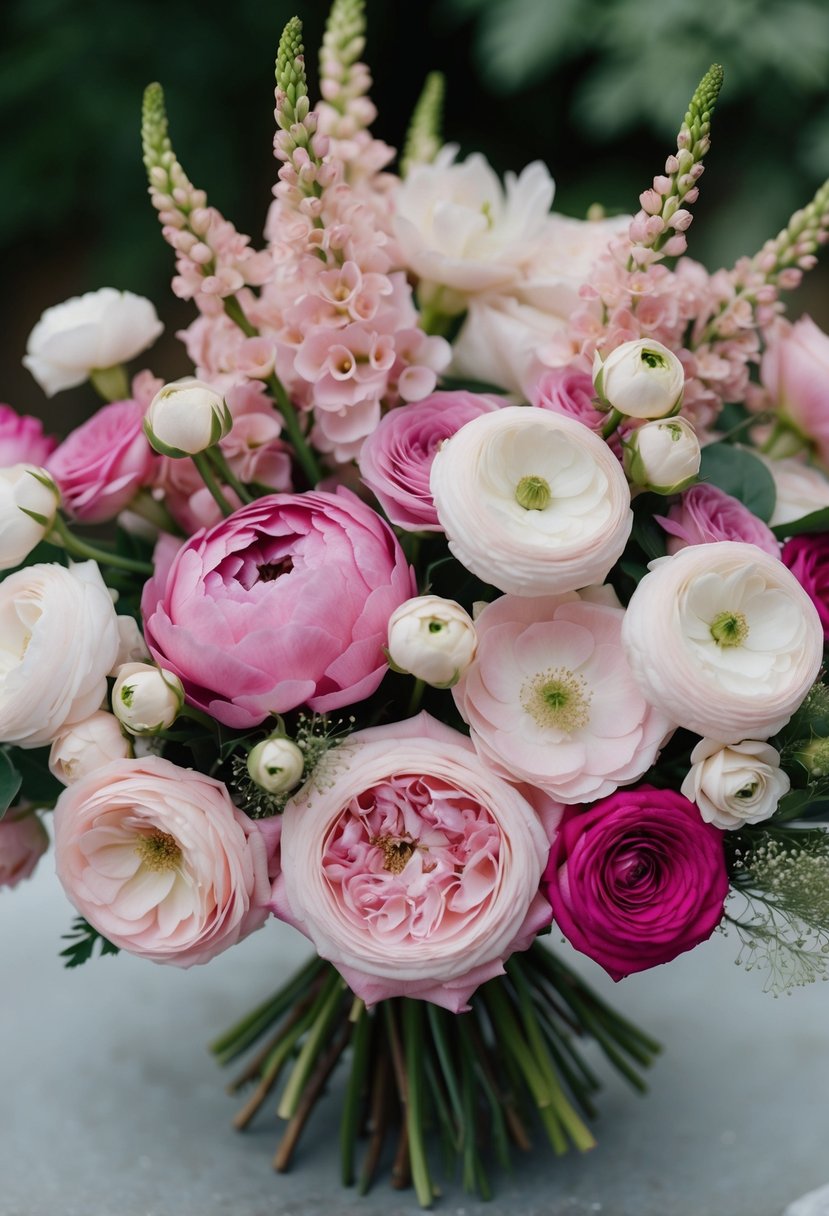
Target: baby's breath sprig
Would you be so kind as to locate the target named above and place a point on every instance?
(316, 735)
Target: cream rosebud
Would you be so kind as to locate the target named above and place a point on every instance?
(146, 699)
(186, 417)
(276, 764)
(641, 379)
(433, 639)
(663, 456)
(735, 784)
(29, 500)
(88, 745)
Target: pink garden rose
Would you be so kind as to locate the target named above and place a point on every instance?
(101, 465)
(22, 440)
(706, 514)
(808, 559)
(795, 373)
(637, 879)
(569, 391)
(396, 459)
(159, 860)
(413, 868)
(284, 603)
(23, 841)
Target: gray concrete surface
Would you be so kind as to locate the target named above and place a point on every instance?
(110, 1105)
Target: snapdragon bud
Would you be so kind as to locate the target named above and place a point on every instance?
(641, 379)
(276, 764)
(29, 500)
(663, 456)
(146, 699)
(186, 417)
(432, 639)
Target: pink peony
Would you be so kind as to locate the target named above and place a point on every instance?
(159, 860)
(795, 373)
(284, 603)
(706, 514)
(396, 459)
(808, 559)
(102, 463)
(413, 868)
(23, 841)
(22, 440)
(637, 879)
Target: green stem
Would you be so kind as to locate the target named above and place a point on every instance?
(80, 548)
(301, 447)
(413, 1040)
(612, 424)
(416, 698)
(349, 1125)
(237, 314)
(202, 463)
(197, 715)
(110, 383)
(216, 456)
(324, 1011)
(784, 440)
(234, 1041)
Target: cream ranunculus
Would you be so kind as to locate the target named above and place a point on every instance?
(640, 379)
(276, 764)
(432, 639)
(532, 502)
(735, 784)
(663, 455)
(58, 640)
(88, 745)
(89, 333)
(724, 640)
(145, 698)
(186, 417)
(29, 500)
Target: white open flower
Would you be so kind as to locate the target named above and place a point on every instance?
(432, 639)
(186, 417)
(734, 784)
(80, 749)
(89, 333)
(146, 699)
(531, 502)
(29, 500)
(663, 455)
(276, 764)
(640, 379)
(800, 489)
(724, 640)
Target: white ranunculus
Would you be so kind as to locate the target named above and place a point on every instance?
(531, 502)
(80, 749)
(58, 640)
(131, 645)
(146, 699)
(663, 455)
(640, 379)
(735, 784)
(186, 417)
(724, 640)
(276, 764)
(29, 500)
(801, 489)
(432, 639)
(88, 333)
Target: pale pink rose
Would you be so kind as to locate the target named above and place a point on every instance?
(159, 860)
(412, 867)
(101, 465)
(705, 514)
(23, 841)
(550, 698)
(22, 440)
(795, 373)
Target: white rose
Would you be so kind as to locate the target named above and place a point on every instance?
(734, 784)
(641, 379)
(663, 456)
(186, 417)
(801, 489)
(88, 333)
(146, 699)
(88, 745)
(724, 640)
(531, 502)
(276, 764)
(29, 500)
(58, 640)
(432, 639)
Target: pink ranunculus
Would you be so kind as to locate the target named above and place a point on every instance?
(808, 559)
(395, 460)
(284, 603)
(159, 860)
(23, 841)
(411, 866)
(101, 465)
(795, 373)
(706, 514)
(637, 879)
(22, 440)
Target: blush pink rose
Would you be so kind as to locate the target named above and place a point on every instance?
(101, 465)
(808, 559)
(795, 373)
(284, 603)
(706, 514)
(396, 458)
(637, 879)
(22, 440)
(159, 860)
(411, 867)
(23, 841)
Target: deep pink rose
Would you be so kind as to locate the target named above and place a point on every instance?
(101, 465)
(22, 440)
(808, 559)
(706, 514)
(637, 879)
(23, 841)
(396, 458)
(284, 603)
(795, 373)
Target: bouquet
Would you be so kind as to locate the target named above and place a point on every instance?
(473, 588)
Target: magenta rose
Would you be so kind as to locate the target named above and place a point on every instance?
(706, 514)
(637, 879)
(101, 465)
(396, 458)
(795, 373)
(22, 440)
(23, 841)
(808, 559)
(284, 603)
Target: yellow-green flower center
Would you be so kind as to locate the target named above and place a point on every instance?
(159, 851)
(557, 699)
(533, 493)
(729, 629)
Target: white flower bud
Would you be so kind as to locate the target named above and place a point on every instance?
(432, 639)
(641, 379)
(276, 764)
(735, 784)
(88, 745)
(146, 699)
(29, 500)
(663, 456)
(186, 417)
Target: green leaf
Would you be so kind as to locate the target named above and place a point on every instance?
(39, 785)
(646, 532)
(815, 521)
(740, 474)
(83, 940)
(10, 782)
